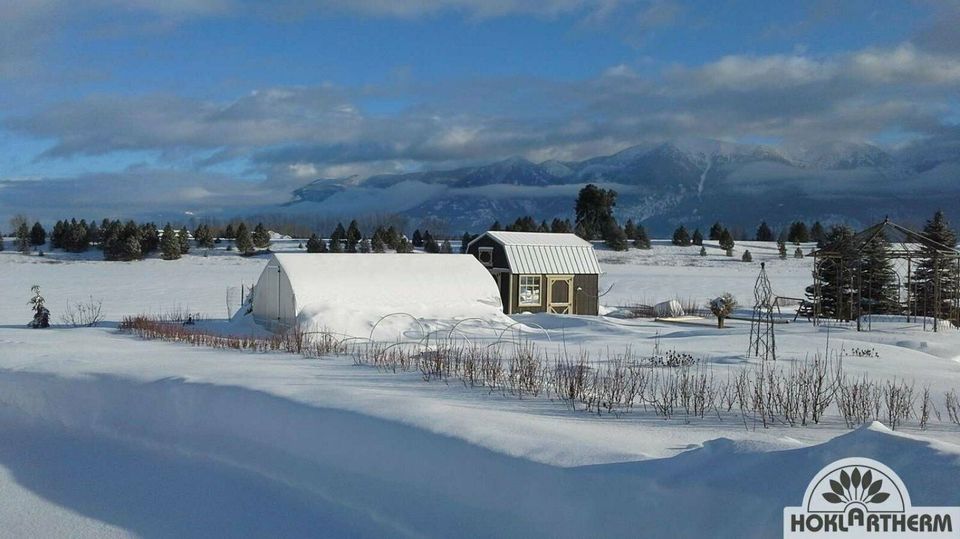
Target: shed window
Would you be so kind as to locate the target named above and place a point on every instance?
(485, 254)
(529, 291)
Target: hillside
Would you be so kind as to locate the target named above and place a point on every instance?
(689, 181)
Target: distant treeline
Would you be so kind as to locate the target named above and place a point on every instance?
(134, 241)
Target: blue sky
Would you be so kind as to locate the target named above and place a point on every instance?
(275, 94)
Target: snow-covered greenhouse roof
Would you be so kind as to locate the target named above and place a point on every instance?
(348, 293)
(547, 252)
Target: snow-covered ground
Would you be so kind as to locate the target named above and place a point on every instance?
(107, 435)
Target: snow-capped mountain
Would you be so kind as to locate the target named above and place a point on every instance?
(694, 181)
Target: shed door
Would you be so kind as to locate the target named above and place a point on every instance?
(560, 296)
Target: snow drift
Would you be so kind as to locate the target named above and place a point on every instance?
(388, 478)
(349, 294)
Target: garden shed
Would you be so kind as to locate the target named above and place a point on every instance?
(541, 271)
(348, 294)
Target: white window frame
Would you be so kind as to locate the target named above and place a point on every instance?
(488, 251)
(534, 282)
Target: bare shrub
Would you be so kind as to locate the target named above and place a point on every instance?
(927, 409)
(899, 400)
(854, 401)
(952, 401)
(85, 314)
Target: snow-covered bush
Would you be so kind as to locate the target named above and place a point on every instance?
(722, 306)
(41, 315)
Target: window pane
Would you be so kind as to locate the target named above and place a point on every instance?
(529, 290)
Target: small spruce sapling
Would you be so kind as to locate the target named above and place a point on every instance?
(41, 315)
(747, 257)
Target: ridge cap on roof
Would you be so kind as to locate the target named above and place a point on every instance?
(505, 236)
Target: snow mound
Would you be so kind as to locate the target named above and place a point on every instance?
(404, 480)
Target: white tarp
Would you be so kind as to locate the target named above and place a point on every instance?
(349, 293)
(668, 309)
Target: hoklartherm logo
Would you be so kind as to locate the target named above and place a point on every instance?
(859, 497)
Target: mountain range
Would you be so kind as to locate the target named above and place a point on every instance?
(693, 182)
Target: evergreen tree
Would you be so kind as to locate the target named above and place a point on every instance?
(446, 247)
(228, 232)
(353, 236)
(798, 233)
(93, 234)
(377, 244)
(697, 238)
(260, 237)
(544, 227)
(630, 230)
(130, 247)
(837, 275)
(726, 241)
(716, 231)
(203, 236)
(56, 235)
(336, 246)
(681, 237)
(747, 257)
(338, 236)
(798, 253)
(417, 238)
(77, 240)
(391, 238)
(38, 236)
(581, 231)
(937, 270)
(879, 290)
(496, 226)
(764, 233)
(615, 237)
(703, 251)
(594, 210)
(522, 224)
(430, 245)
(1, 241)
(641, 240)
(22, 238)
(244, 241)
(818, 234)
(782, 249)
(364, 246)
(183, 238)
(561, 226)
(404, 245)
(465, 241)
(111, 244)
(169, 244)
(41, 315)
(149, 238)
(315, 244)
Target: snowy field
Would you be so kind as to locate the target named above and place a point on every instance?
(106, 435)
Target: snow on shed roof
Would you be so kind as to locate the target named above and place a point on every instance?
(547, 252)
(349, 293)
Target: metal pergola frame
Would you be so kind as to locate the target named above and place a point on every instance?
(903, 246)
